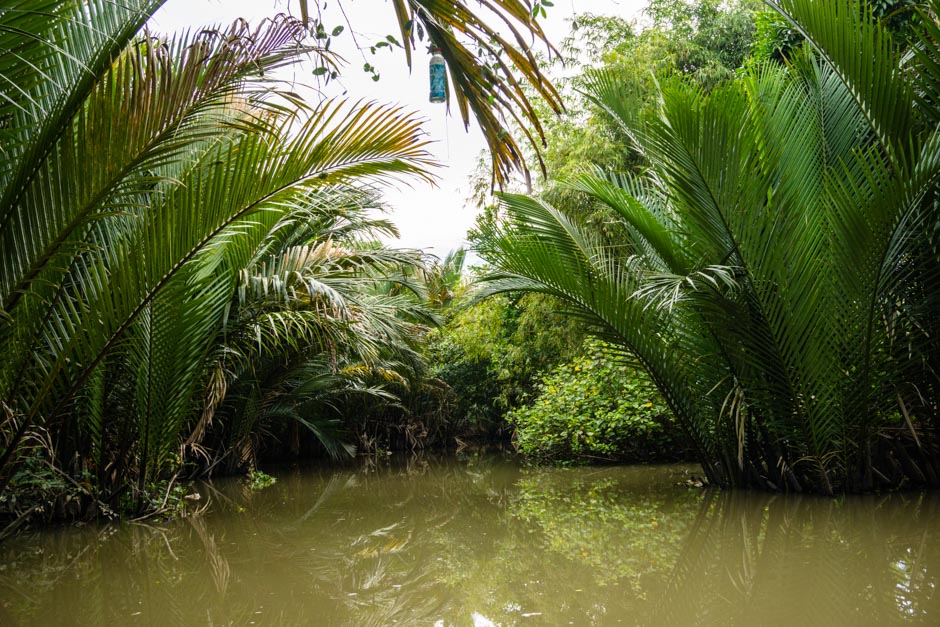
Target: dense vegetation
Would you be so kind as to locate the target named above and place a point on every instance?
(597, 408)
(702, 42)
(740, 203)
(776, 267)
(188, 269)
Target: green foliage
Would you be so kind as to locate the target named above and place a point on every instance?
(258, 480)
(319, 316)
(182, 267)
(491, 354)
(703, 42)
(778, 253)
(444, 279)
(36, 480)
(777, 39)
(469, 378)
(596, 407)
(706, 40)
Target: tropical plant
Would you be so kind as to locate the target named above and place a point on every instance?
(307, 329)
(445, 279)
(596, 408)
(288, 322)
(492, 354)
(778, 275)
(136, 179)
(488, 64)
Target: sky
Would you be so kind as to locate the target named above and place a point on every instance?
(431, 218)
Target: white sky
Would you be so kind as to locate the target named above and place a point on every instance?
(434, 219)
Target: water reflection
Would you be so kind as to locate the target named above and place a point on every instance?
(428, 541)
(856, 561)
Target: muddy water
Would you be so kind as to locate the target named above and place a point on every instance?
(481, 541)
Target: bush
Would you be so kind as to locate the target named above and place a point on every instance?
(492, 353)
(597, 407)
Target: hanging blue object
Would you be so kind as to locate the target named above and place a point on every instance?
(438, 72)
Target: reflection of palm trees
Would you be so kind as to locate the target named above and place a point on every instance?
(427, 539)
(386, 522)
(381, 568)
(755, 558)
(218, 565)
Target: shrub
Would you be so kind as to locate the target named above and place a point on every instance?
(597, 407)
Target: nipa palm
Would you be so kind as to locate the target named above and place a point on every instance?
(778, 276)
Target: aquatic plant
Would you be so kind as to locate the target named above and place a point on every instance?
(137, 180)
(778, 273)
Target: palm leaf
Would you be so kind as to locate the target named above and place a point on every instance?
(489, 84)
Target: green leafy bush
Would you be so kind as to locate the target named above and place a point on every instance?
(596, 407)
(491, 355)
(258, 480)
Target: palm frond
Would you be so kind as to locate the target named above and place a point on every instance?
(489, 71)
(866, 59)
(768, 253)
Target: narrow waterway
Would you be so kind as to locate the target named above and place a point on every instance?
(480, 540)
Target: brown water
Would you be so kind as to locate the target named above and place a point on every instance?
(481, 541)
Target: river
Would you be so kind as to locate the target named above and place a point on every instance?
(482, 540)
